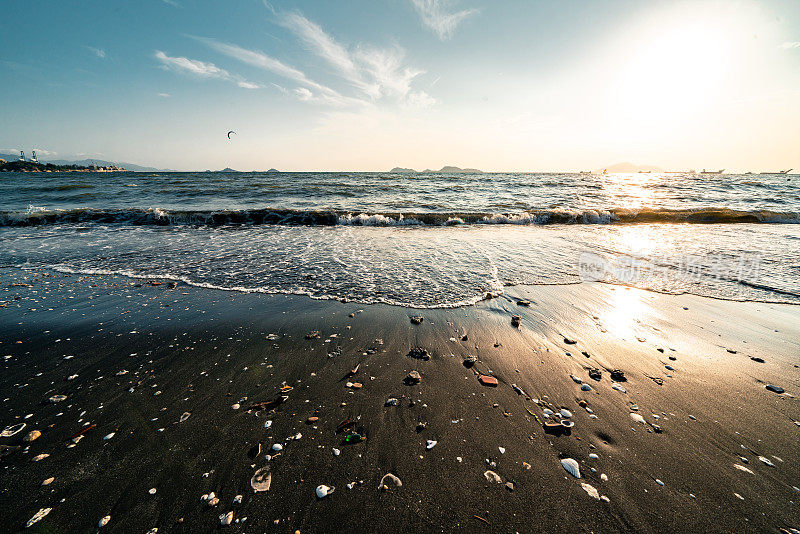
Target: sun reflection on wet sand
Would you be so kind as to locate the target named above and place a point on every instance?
(625, 312)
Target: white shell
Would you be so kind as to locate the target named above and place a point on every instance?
(767, 461)
(491, 476)
(103, 522)
(591, 490)
(185, 416)
(566, 413)
(109, 436)
(11, 430)
(502, 450)
(236, 406)
(57, 398)
(743, 468)
(593, 456)
(277, 447)
(323, 491)
(547, 412)
(431, 444)
(638, 418)
(37, 517)
(571, 466)
(391, 478)
(226, 519)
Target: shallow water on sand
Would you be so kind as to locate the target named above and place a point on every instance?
(421, 240)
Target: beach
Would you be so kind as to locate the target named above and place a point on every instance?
(689, 439)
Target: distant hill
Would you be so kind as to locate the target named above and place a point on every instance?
(631, 167)
(88, 162)
(446, 168)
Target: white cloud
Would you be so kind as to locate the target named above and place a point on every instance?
(172, 3)
(435, 15)
(263, 61)
(99, 52)
(376, 72)
(303, 94)
(164, 95)
(42, 152)
(200, 69)
(788, 45)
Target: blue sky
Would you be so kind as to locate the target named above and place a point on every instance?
(500, 85)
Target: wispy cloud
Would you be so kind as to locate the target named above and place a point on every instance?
(200, 69)
(99, 52)
(265, 62)
(792, 44)
(375, 72)
(172, 3)
(436, 16)
(164, 95)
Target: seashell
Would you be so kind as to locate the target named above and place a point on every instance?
(38, 516)
(571, 466)
(638, 418)
(152, 491)
(604, 498)
(593, 456)
(431, 444)
(390, 402)
(48, 481)
(237, 499)
(591, 490)
(394, 480)
(565, 413)
(547, 412)
(262, 479)
(57, 398)
(103, 522)
(212, 502)
(31, 436)
(619, 388)
(491, 476)
(226, 519)
(658, 481)
(267, 424)
(774, 388)
(39, 457)
(502, 450)
(323, 491)
(766, 461)
(567, 424)
(277, 447)
(109, 436)
(586, 387)
(336, 452)
(743, 468)
(153, 530)
(236, 406)
(604, 477)
(184, 417)
(12, 430)
(575, 379)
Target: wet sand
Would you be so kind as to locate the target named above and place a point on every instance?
(202, 351)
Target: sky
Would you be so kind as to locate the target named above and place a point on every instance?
(369, 85)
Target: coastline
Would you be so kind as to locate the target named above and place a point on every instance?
(204, 350)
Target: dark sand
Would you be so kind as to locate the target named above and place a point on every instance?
(200, 351)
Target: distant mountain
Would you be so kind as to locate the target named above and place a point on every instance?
(402, 169)
(88, 162)
(631, 167)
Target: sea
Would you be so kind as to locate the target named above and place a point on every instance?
(417, 240)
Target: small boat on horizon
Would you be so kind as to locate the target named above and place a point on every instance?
(711, 172)
(787, 171)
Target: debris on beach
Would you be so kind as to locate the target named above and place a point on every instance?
(390, 478)
(469, 361)
(57, 398)
(31, 436)
(261, 480)
(226, 519)
(12, 430)
(184, 417)
(323, 491)
(487, 380)
(431, 444)
(104, 521)
(491, 476)
(618, 376)
(314, 334)
(38, 516)
(595, 374)
(571, 467)
(419, 354)
(515, 320)
(417, 319)
(774, 388)
(413, 378)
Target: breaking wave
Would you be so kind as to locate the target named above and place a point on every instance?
(288, 217)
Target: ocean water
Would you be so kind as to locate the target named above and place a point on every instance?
(421, 240)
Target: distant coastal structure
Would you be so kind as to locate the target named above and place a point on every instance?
(34, 165)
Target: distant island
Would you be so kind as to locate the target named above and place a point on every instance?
(83, 164)
(35, 166)
(446, 168)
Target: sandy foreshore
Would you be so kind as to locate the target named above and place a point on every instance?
(717, 451)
